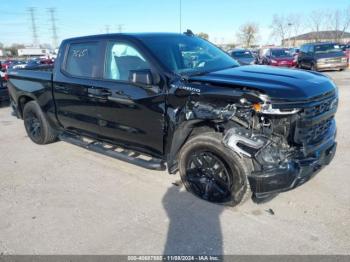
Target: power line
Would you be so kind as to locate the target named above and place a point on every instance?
(31, 11)
(52, 13)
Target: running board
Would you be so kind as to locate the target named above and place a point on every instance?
(114, 151)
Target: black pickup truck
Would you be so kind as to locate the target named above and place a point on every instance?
(177, 102)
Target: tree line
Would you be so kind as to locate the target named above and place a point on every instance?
(287, 26)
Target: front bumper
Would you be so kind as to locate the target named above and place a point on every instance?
(331, 66)
(293, 173)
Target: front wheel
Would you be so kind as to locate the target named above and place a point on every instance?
(213, 172)
(36, 125)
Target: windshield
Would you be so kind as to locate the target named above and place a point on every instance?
(327, 48)
(242, 54)
(188, 55)
(280, 53)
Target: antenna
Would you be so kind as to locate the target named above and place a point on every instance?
(52, 12)
(31, 11)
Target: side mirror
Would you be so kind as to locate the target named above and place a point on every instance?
(142, 77)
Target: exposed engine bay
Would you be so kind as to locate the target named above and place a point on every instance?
(283, 143)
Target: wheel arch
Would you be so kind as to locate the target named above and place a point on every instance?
(22, 101)
(181, 135)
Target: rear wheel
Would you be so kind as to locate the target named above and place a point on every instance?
(36, 125)
(212, 172)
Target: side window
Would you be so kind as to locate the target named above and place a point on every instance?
(82, 59)
(121, 58)
(311, 49)
(303, 49)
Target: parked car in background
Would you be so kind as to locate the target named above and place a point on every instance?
(32, 64)
(278, 57)
(4, 96)
(17, 64)
(243, 56)
(6, 64)
(294, 51)
(255, 53)
(322, 56)
(346, 49)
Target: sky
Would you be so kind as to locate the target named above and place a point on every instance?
(221, 19)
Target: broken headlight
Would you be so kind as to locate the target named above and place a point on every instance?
(267, 108)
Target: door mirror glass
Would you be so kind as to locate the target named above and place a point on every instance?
(141, 77)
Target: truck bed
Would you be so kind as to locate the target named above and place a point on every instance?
(36, 84)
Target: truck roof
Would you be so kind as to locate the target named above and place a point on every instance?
(130, 35)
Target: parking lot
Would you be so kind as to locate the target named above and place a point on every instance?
(62, 199)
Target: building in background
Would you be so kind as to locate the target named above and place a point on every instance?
(32, 51)
(321, 36)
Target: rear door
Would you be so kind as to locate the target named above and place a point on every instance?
(81, 67)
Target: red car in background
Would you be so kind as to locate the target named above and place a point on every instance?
(278, 57)
(6, 64)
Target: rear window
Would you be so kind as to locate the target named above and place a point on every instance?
(82, 60)
(280, 53)
(327, 48)
(242, 54)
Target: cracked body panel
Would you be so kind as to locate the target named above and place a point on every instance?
(284, 148)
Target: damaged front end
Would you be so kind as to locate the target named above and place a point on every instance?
(287, 143)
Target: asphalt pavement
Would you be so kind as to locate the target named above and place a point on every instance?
(62, 199)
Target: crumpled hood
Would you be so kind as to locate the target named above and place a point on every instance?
(277, 83)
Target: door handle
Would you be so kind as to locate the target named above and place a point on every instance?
(99, 92)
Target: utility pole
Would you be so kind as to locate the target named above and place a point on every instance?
(120, 28)
(107, 28)
(180, 18)
(31, 12)
(52, 12)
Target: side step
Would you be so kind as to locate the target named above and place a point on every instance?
(114, 151)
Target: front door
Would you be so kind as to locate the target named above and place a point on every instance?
(130, 114)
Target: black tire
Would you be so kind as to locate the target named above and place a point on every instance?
(36, 125)
(230, 187)
(313, 67)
